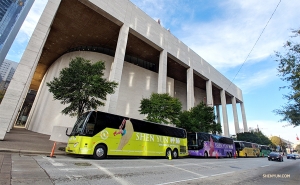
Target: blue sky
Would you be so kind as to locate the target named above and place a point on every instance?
(223, 33)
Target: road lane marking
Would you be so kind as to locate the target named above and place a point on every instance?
(264, 166)
(119, 180)
(221, 174)
(53, 162)
(183, 180)
(180, 169)
(76, 169)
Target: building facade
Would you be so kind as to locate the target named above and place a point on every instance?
(7, 70)
(139, 54)
(12, 16)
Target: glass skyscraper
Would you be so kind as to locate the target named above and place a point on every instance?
(12, 15)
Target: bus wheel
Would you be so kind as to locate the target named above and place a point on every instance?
(206, 155)
(100, 152)
(168, 153)
(175, 154)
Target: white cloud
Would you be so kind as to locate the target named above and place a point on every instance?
(258, 79)
(225, 40)
(30, 22)
(271, 128)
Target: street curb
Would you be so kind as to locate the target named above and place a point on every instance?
(29, 151)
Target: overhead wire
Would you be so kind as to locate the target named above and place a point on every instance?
(254, 45)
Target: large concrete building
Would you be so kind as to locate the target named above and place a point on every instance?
(139, 54)
(12, 16)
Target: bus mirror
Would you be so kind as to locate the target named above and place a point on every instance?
(67, 132)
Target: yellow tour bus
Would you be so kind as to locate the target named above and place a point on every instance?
(101, 134)
(246, 149)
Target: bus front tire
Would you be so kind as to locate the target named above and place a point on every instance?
(100, 152)
(175, 154)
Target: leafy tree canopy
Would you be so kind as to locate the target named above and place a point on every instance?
(297, 148)
(277, 141)
(200, 118)
(161, 108)
(254, 137)
(289, 71)
(81, 86)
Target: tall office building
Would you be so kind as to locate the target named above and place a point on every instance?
(7, 70)
(12, 16)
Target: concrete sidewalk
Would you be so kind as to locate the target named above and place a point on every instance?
(20, 140)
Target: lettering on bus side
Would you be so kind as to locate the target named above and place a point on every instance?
(159, 139)
(221, 145)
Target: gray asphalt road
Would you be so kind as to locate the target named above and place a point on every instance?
(187, 171)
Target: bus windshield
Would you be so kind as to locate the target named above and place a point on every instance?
(79, 125)
(192, 141)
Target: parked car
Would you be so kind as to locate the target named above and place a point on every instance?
(291, 156)
(275, 156)
(297, 156)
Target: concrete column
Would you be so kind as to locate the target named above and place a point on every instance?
(162, 73)
(116, 69)
(224, 113)
(190, 88)
(209, 96)
(244, 117)
(235, 117)
(218, 114)
(18, 88)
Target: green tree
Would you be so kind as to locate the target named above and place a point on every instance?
(254, 137)
(2, 93)
(297, 148)
(277, 141)
(199, 119)
(264, 140)
(81, 86)
(289, 71)
(161, 108)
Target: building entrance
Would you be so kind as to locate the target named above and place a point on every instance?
(25, 110)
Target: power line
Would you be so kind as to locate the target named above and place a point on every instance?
(254, 45)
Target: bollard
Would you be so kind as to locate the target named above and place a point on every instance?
(217, 155)
(52, 151)
(170, 156)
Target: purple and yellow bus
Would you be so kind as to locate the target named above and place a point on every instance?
(202, 144)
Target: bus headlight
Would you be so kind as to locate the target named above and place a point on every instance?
(75, 144)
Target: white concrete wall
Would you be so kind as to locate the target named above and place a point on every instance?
(46, 112)
(181, 93)
(154, 34)
(17, 90)
(199, 95)
(136, 83)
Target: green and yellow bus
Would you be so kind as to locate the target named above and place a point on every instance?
(264, 150)
(101, 134)
(246, 149)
